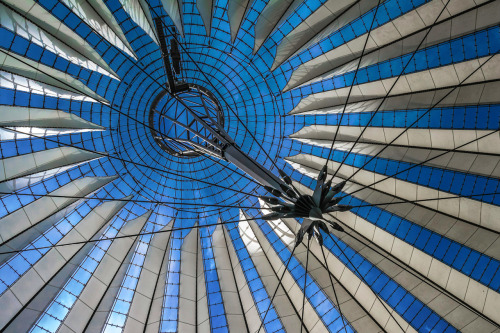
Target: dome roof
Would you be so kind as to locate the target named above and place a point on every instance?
(121, 209)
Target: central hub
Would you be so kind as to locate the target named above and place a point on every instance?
(186, 124)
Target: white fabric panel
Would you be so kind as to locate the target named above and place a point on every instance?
(354, 314)
(230, 295)
(236, 10)
(249, 308)
(46, 21)
(43, 118)
(271, 16)
(327, 19)
(474, 211)
(21, 83)
(356, 287)
(312, 321)
(480, 297)
(468, 162)
(202, 313)
(98, 320)
(430, 79)
(473, 94)
(433, 138)
(187, 290)
(479, 239)
(143, 296)
(11, 20)
(206, 8)
(285, 310)
(396, 30)
(346, 59)
(137, 11)
(97, 15)
(44, 270)
(24, 170)
(19, 65)
(35, 212)
(154, 310)
(90, 298)
(174, 11)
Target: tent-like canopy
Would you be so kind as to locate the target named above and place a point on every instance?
(109, 222)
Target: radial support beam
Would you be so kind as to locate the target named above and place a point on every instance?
(384, 43)
(20, 304)
(150, 273)
(474, 211)
(206, 9)
(22, 226)
(39, 18)
(97, 15)
(24, 170)
(236, 11)
(87, 311)
(233, 303)
(426, 80)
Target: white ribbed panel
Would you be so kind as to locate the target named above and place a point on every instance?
(229, 290)
(24, 170)
(270, 17)
(327, 19)
(187, 289)
(206, 9)
(174, 11)
(155, 306)
(37, 211)
(395, 38)
(38, 276)
(40, 122)
(430, 79)
(46, 21)
(312, 321)
(16, 23)
(139, 12)
(18, 65)
(90, 298)
(97, 15)
(236, 10)
(98, 321)
(285, 310)
(143, 296)
(474, 211)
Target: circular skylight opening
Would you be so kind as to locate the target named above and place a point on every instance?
(183, 124)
